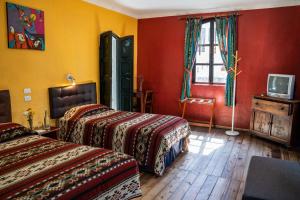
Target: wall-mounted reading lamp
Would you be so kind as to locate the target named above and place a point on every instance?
(71, 78)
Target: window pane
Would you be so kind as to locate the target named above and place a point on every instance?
(215, 34)
(205, 33)
(202, 55)
(217, 55)
(220, 74)
(202, 73)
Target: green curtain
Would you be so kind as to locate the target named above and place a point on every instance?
(192, 37)
(226, 34)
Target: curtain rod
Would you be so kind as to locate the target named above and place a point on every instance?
(207, 16)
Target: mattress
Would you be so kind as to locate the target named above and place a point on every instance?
(147, 137)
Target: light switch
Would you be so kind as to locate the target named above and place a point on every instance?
(27, 98)
(27, 91)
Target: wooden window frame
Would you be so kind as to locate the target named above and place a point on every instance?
(211, 63)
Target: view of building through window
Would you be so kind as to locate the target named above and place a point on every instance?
(209, 66)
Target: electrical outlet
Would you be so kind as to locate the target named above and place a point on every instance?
(27, 91)
(27, 98)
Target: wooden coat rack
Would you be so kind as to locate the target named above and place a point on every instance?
(235, 72)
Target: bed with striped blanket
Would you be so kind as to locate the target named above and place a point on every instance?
(147, 137)
(36, 167)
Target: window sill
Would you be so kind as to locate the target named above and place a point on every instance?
(209, 84)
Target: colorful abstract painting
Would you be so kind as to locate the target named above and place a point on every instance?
(25, 27)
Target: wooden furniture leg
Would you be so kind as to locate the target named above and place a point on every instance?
(183, 110)
(142, 103)
(148, 101)
(211, 116)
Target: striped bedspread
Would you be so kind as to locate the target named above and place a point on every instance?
(147, 137)
(36, 167)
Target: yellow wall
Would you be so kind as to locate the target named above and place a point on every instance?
(72, 29)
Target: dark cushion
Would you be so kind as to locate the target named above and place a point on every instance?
(270, 178)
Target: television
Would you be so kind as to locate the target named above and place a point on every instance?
(281, 86)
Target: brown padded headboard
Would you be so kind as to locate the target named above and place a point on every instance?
(63, 98)
(5, 106)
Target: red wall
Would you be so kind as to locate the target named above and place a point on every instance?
(268, 42)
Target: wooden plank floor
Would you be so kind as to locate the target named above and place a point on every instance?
(214, 168)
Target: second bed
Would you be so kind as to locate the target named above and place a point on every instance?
(154, 140)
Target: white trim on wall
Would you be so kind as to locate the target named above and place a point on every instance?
(114, 7)
(151, 13)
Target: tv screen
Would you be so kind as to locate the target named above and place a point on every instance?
(279, 84)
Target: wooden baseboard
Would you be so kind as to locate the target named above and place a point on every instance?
(228, 128)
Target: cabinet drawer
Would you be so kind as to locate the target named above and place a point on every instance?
(275, 108)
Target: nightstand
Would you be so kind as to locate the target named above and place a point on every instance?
(51, 133)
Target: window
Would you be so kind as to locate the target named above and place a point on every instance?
(209, 67)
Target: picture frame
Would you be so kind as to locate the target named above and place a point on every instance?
(25, 27)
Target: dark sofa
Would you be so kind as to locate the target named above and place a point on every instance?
(272, 179)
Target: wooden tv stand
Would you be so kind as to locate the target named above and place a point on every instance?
(276, 119)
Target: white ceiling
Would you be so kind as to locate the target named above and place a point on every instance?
(158, 8)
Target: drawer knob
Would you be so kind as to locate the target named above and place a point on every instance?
(282, 108)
